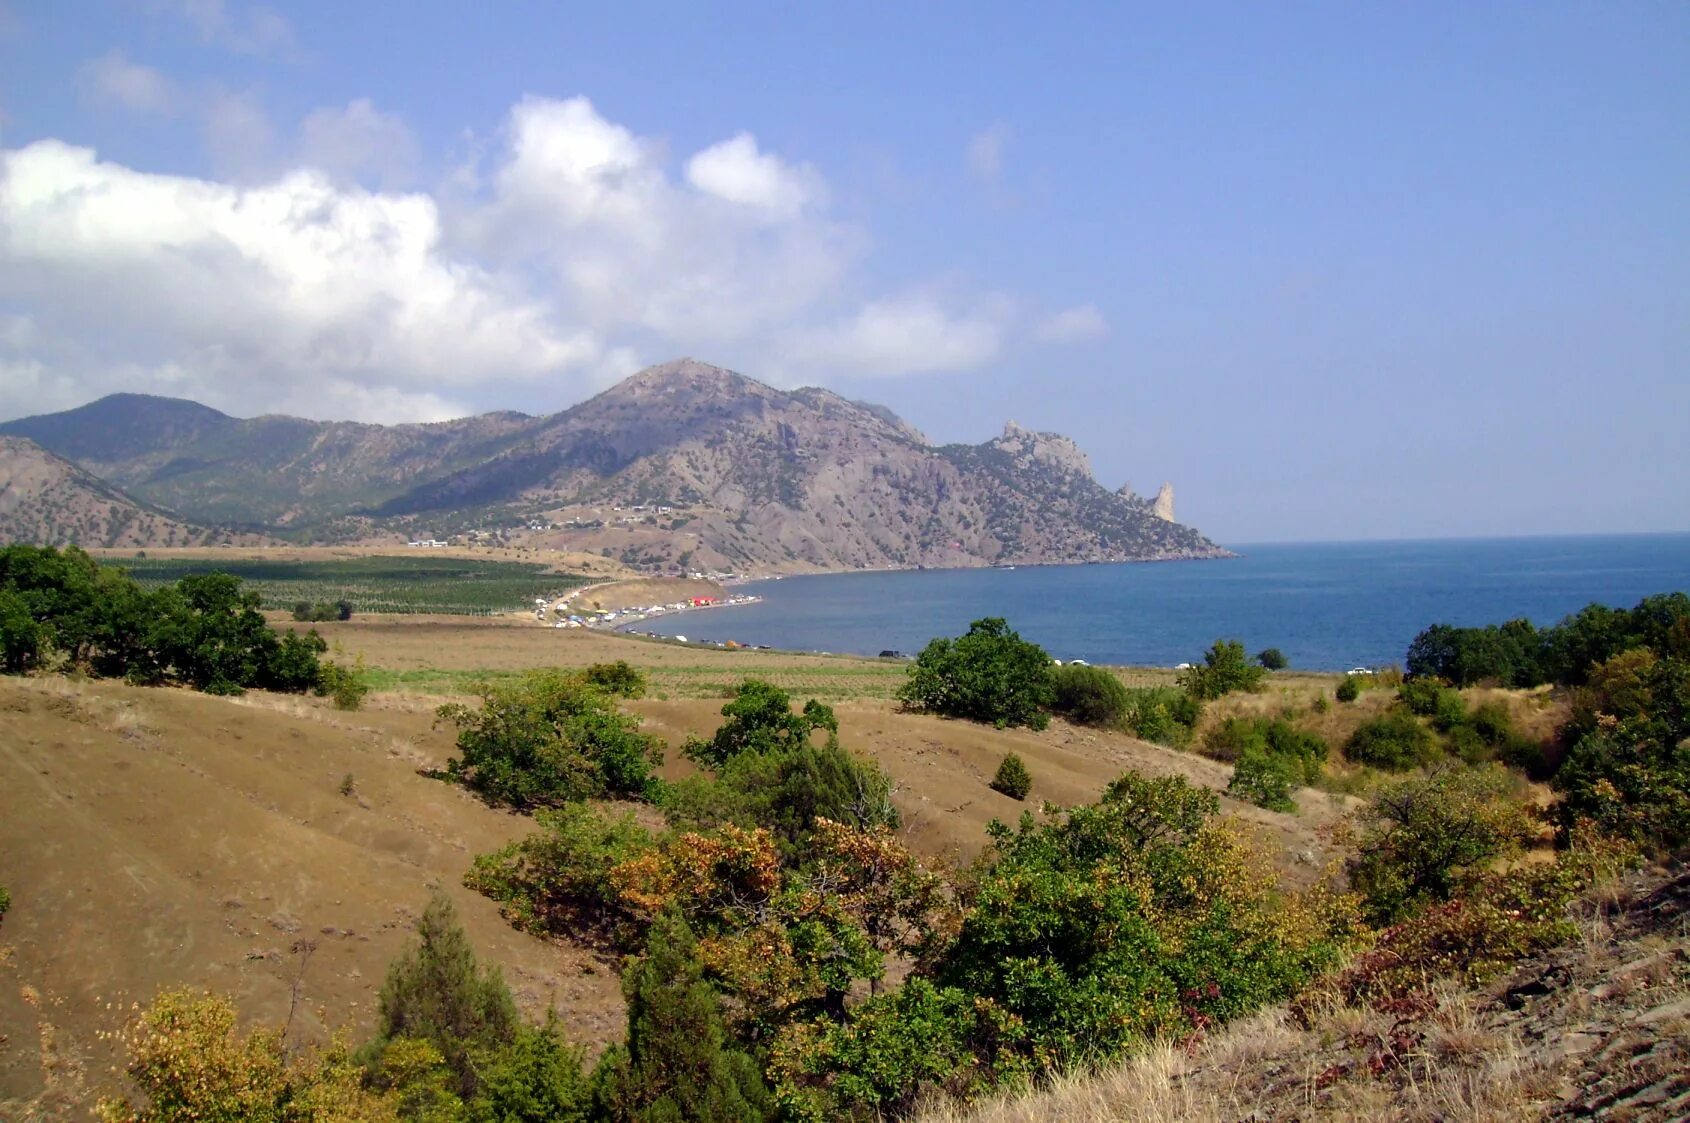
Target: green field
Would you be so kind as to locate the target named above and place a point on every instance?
(450, 586)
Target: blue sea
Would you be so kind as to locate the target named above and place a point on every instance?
(1327, 606)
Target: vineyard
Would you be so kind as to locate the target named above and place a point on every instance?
(448, 586)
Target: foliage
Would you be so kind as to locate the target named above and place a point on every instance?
(205, 630)
(558, 880)
(1273, 659)
(1163, 714)
(1089, 695)
(1266, 781)
(895, 1047)
(1225, 668)
(345, 686)
(1012, 778)
(189, 1063)
(1394, 741)
(788, 790)
(455, 586)
(1419, 836)
(1136, 916)
(760, 719)
(678, 1063)
(1349, 689)
(618, 678)
(989, 675)
(1273, 758)
(305, 611)
(551, 738)
(1491, 919)
(436, 992)
(1422, 695)
(536, 1077)
(5, 902)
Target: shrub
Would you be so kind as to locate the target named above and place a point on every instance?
(1225, 668)
(1349, 689)
(617, 678)
(557, 881)
(1089, 695)
(1422, 695)
(550, 739)
(678, 1062)
(436, 992)
(990, 675)
(1273, 659)
(1394, 741)
(1265, 780)
(1421, 834)
(1493, 723)
(1163, 714)
(1012, 778)
(344, 686)
(760, 719)
(5, 902)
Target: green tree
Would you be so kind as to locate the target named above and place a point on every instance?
(1395, 740)
(760, 719)
(1089, 695)
(990, 675)
(1272, 659)
(436, 992)
(1225, 668)
(678, 1062)
(1012, 778)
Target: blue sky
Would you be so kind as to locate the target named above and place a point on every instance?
(1335, 270)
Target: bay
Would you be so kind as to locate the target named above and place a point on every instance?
(1327, 606)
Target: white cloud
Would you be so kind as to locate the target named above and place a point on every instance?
(986, 153)
(112, 80)
(358, 142)
(906, 335)
(250, 29)
(291, 292)
(1073, 325)
(735, 171)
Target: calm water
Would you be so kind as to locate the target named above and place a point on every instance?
(1328, 606)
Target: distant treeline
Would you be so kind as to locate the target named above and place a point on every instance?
(63, 609)
(1520, 654)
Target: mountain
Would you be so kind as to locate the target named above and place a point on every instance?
(47, 500)
(753, 477)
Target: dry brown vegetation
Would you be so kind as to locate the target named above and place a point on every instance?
(157, 837)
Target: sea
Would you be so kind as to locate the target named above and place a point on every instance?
(1327, 606)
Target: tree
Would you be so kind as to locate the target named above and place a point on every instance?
(990, 675)
(1089, 695)
(1273, 659)
(678, 1063)
(1012, 778)
(437, 993)
(1394, 741)
(1225, 668)
(760, 719)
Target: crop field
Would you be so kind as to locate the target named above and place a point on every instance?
(451, 586)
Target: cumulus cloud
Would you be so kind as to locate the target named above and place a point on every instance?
(358, 142)
(113, 80)
(735, 171)
(294, 291)
(569, 249)
(907, 335)
(1073, 325)
(986, 153)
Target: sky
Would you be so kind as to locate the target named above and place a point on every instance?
(1337, 271)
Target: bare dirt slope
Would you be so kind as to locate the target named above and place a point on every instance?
(152, 838)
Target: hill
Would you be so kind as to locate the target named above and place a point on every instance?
(752, 477)
(47, 500)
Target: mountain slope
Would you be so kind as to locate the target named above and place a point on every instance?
(761, 478)
(47, 500)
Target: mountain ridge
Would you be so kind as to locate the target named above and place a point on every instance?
(753, 477)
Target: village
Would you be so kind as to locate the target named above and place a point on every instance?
(564, 611)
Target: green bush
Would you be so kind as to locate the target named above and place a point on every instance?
(550, 739)
(1012, 778)
(1089, 696)
(344, 686)
(760, 720)
(5, 902)
(1272, 659)
(1163, 714)
(1394, 741)
(1493, 723)
(1420, 835)
(1265, 780)
(618, 678)
(989, 675)
(1225, 668)
(1422, 695)
(1349, 688)
(557, 881)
